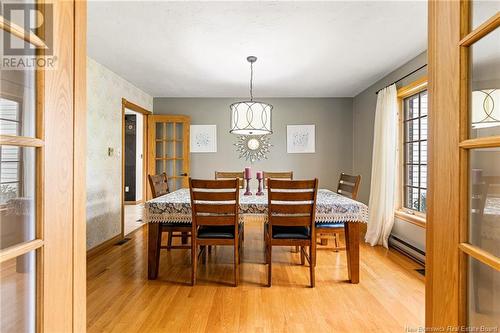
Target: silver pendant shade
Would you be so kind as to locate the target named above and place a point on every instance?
(251, 117)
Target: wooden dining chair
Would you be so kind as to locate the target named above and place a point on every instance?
(215, 209)
(291, 214)
(276, 175)
(348, 186)
(159, 187)
(230, 175)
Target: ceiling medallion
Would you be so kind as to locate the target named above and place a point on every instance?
(253, 147)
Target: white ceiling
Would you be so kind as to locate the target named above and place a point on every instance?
(305, 49)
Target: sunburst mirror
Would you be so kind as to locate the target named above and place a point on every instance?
(253, 147)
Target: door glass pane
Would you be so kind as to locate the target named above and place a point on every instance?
(484, 215)
(179, 183)
(485, 85)
(179, 131)
(17, 102)
(18, 294)
(179, 149)
(482, 10)
(170, 131)
(159, 149)
(483, 295)
(17, 195)
(160, 131)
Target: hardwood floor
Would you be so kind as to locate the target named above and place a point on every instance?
(389, 297)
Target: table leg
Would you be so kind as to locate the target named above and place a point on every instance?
(352, 247)
(154, 243)
(184, 238)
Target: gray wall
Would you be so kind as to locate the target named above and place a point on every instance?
(332, 117)
(363, 119)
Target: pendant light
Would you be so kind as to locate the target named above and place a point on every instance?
(251, 117)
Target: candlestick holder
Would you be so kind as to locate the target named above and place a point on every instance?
(259, 190)
(247, 192)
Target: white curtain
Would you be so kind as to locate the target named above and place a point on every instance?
(383, 194)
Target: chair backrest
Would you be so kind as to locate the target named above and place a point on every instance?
(214, 202)
(349, 185)
(230, 175)
(158, 184)
(276, 175)
(292, 202)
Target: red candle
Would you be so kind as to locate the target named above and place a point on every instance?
(259, 175)
(248, 173)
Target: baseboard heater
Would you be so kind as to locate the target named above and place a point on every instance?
(407, 249)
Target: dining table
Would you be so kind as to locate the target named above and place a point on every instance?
(331, 207)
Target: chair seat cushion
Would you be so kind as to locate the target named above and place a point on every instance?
(216, 231)
(330, 225)
(283, 232)
(174, 224)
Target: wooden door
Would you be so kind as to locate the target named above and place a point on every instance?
(168, 149)
(42, 169)
(463, 243)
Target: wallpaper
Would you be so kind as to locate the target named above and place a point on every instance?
(105, 91)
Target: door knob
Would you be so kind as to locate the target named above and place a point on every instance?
(184, 174)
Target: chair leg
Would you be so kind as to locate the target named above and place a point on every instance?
(336, 242)
(302, 256)
(169, 240)
(312, 263)
(240, 249)
(269, 263)
(184, 237)
(236, 263)
(297, 248)
(194, 259)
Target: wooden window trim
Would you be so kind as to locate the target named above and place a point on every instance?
(413, 88)
(411, 216)
(402, 212)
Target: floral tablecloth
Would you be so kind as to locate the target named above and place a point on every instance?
(175, 207)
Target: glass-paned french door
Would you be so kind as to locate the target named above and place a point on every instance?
(480, 167)
(21, 148)
(168, 148)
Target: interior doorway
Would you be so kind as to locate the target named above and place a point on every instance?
(134, 167)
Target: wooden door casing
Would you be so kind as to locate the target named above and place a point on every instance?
(173, 141)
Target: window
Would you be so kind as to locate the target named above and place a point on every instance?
(415, 151)
(10, 156)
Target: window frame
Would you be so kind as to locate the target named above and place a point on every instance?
(407, 214)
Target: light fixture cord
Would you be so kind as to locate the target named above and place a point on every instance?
(251, 81)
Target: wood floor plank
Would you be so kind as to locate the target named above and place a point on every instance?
(390, 295)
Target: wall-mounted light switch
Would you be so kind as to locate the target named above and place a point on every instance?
(126, 188)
